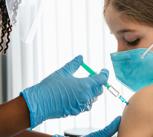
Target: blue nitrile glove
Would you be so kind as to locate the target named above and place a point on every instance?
(108, 131)
(61, 94)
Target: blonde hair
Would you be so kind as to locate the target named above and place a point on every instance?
(138, 10)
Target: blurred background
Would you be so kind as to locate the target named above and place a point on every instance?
(47, 35)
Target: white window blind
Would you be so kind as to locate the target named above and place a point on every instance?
(50, 33)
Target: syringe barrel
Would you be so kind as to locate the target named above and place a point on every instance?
(113, 91)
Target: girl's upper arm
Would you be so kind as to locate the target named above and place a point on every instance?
(137, 120)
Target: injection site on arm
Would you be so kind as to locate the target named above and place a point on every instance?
(109, 87)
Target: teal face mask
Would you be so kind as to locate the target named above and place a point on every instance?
(134, 68)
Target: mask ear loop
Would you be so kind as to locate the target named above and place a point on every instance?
(146, 52)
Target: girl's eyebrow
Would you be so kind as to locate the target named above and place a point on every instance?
(125, 30)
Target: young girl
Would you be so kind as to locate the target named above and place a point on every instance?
(131, 22)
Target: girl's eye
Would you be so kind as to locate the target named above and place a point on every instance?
(133, 43)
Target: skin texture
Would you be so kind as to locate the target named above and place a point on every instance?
(14, 117)
(137, 120)
(31, 134)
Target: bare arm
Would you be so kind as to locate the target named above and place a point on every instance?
(14, 117)
(31, 134)
(137, 120)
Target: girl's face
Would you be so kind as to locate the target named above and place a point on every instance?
(129, 34)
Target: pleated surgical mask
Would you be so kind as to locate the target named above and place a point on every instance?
(134, 68)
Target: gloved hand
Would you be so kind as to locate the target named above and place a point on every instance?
(108, 131)
(61, 94)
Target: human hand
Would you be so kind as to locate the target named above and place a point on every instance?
(108, 131)
(61, 94)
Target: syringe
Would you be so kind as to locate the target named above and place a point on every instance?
(109, 87)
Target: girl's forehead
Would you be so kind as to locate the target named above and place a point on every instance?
(117, 21)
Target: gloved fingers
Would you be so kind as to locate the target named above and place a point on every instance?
(72, 66)
(112, 128)
(108, 131)
(98, 81)
(102, 77)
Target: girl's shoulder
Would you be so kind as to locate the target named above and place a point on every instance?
(137, 119)
(142, 100)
